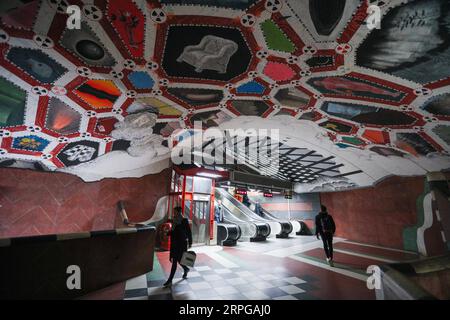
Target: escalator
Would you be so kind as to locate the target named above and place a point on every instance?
(228, 234)
(279, 228)
(232, 210)
(286, 227)
(297, 226)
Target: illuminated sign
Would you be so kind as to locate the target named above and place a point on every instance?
(241, 191)
(268, 194)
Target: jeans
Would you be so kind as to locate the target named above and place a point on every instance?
(327, 239)
(174, 269)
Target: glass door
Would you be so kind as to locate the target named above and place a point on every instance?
(200, 219)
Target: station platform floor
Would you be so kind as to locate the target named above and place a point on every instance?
(278, 269)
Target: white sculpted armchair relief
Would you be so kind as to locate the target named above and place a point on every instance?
(212, 53)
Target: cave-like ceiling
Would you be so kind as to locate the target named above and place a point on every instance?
(102, 99)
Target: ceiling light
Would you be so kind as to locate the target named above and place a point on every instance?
(209, 175)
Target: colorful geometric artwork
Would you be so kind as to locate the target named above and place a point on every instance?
(61, 118)
(346, 111)
(87, 46)
(252, 87)
(140, 105)
(278, 62)
(310, 116)
(344, 146)
(78, 152)
(236, 4)
(336, 126)
(413, 43)
(386, 152)
(12, 104)
(275, 38)
(163, 108)
(36, 63)
(129, 23)
(292, 97)
(99, 94)
(197, 96)
(30, 143)
(353, 140)
(439, 105)
(376, 136)
(367, 115)
(414, 144)
(141, 80)
(105, 125)
(250, 108)
(354, 87)
(205, 52)
(278, 71)
(211, 118)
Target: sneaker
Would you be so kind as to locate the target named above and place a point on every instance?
(167, 284)
(328, 260)
(185, 275)
(331, 263)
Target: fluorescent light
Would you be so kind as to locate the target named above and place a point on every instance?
(209, 175)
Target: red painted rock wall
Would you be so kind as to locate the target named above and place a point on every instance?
(34, 203)
(376, 215)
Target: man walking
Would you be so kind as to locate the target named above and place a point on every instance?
(326, 227)
(180, 238)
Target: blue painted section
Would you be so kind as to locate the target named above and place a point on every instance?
(251, 87)
(343, 145)
(30, 143)
(141, 80)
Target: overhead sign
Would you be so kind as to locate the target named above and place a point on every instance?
(241, 191)
(268, 194)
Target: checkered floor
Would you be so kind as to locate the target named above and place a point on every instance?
(205, 283)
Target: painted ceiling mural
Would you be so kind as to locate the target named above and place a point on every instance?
(102, 100)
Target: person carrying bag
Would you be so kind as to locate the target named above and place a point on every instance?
(180, 241)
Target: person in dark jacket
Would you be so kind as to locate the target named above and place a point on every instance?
(258, 210)
(180, 240)
(218, 214)
(326, 227)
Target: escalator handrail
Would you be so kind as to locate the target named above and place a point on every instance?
(237, 221)
(245, 210)
(271, 216)
(234, 217)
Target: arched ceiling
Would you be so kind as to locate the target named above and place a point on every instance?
(102, 100)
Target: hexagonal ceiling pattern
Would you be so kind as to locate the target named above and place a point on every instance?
(375, 100)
